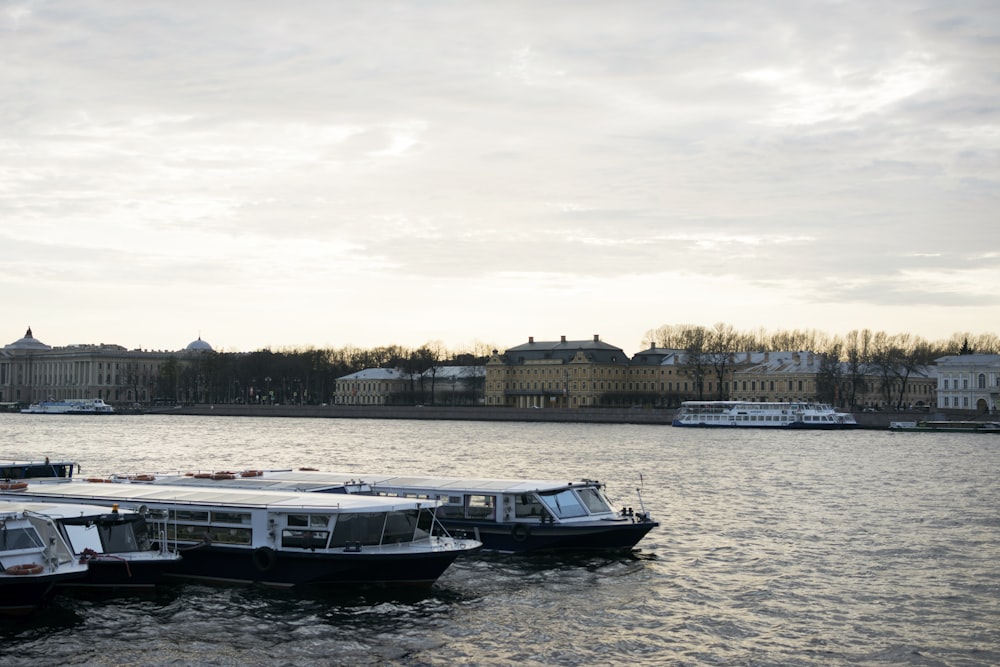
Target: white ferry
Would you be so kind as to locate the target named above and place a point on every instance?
(926, 426)
(748, 414)
(279, 538)
(506, 515)
(72, 406)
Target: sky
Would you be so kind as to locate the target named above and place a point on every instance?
(332, 174)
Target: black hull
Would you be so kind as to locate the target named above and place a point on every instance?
(108, 574)
(284, 569)
(523, 537)
(23, 594)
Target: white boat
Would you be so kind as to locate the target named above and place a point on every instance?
(34, 557)
(117, 545)
(944, 426)
(507, 515)
(749, 414)
(279, 538)
(71, 406)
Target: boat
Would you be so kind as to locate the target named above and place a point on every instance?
(282, 539)
(944, 426)
(71, 406)
(750, 414)
(13, 471)
(124, 550)
(506, 515)
(34, 557)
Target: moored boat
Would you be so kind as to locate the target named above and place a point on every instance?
(14, 471)
(944, 426)
(750, 414)
(283, 539)
(507, 515)
(34, 557)
(71, 406)
(117, 545)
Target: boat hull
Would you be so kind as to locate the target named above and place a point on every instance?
(525, 537)
(283, 569)
(23, 594)
(795, 426)
(118, 574)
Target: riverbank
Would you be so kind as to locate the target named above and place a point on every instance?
(878, 421)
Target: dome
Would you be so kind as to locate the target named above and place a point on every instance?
(198, 346)
(28, 342)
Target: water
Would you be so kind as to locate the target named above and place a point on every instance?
(796, 548)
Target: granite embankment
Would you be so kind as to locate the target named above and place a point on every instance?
(583, 415)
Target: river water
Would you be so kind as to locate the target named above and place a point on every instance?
(792, 548)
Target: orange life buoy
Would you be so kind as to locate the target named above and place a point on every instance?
(144, 478)
(203, 475)
(251, 473)
(13, 486)
(224, 475)
(308, 469)
(25, 568)
(97, 479)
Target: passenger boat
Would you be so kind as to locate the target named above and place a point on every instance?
(925, 426)
(13, 471)
(34, 557)
(749, 414)
(506, 515)
(117, 545)
(72, 406)
(283, 539)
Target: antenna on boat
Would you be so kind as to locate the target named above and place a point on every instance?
(638, 492)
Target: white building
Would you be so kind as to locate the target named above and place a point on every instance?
(969, 382)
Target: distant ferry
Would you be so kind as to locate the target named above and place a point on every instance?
(946, 427)
(72, 406)
(748, 414)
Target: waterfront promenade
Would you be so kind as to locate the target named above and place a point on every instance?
(577, 415)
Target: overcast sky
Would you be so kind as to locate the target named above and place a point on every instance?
(324, 173)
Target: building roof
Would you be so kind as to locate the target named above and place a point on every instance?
(198, 346)
(377, 374)
(27, 342)
(565, 351)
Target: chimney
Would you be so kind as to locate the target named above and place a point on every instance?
(796, 359)
(767, 357)
(562, 339)
(597, 338)
(531, 340)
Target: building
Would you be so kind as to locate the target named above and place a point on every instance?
(31, 371)
(376, 386)
(969, 383)
(557, 374)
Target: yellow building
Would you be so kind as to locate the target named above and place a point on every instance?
(557, 374)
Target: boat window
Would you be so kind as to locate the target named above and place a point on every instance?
(360, 527)
(594, 501)
(479, 507)
(527, 505)
(12, 539)
(231, 535)
(304, 539)
(84, 537)
(231, 517)
(400, 526)
(188, 515)
(119, 537)
(564, 504)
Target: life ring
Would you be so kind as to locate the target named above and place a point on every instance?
(251, 473)
(309, 469)
(13, 486)
(202, 475)
(223, 475)
(144, 478)
(520, 532)
(264, 558)
(97, 480)
(25, 568)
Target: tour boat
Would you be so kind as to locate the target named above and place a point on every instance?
(925, 426)
(34, 557)
(507, 515)
(283, 539)
(71, 406)
(13, 471)
(118, 545)
(749, 414)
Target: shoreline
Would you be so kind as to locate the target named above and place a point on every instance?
(650, 416)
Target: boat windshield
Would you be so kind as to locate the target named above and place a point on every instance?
(564, 504)
(13, 539)
(594, 500)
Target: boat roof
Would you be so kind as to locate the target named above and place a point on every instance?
(309, 480)
(216, 496)
(57, 510)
